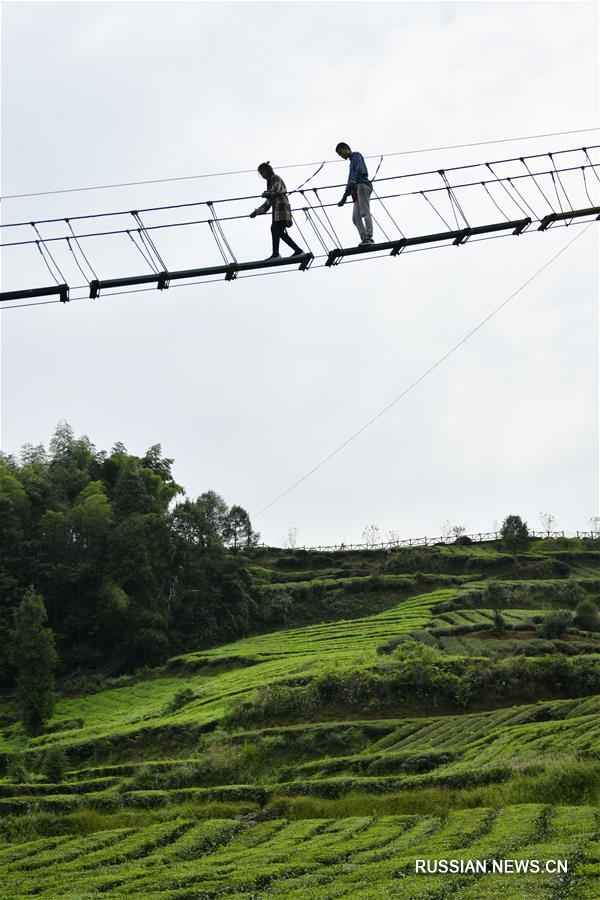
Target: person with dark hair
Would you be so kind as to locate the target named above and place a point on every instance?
(359, 188)
(276, 199)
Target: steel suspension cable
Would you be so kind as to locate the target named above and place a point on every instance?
(322, 187)
(422, 377)
(100, 187)
(496, 179)
(359, 259)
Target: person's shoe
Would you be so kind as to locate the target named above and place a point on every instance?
(297, 252)
(365, 241)
(274, 256)
(369, 241)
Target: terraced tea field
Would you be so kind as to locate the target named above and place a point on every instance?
(177, 795)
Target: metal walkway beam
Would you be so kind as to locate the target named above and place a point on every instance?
(572, 214)
(457, 237)
(61, 289)
(230, 270)
(303, 261)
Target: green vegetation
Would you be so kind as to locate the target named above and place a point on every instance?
(34, 657)
(286, 722)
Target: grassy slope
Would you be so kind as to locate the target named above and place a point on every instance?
(356, 795)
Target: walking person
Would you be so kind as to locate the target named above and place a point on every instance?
(359, 188)
(276, 199)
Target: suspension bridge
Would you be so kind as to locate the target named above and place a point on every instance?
(412, 212)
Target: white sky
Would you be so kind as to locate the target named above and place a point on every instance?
(249, 385)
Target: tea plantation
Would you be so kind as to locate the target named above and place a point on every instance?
(437, 703)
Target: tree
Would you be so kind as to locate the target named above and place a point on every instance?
(215, 510)
(548, 522)
(595, 525)
(35, 658)
(371, 535)
(291, 537)
(514, 533)
(496, 596)
(499, 622)
(237, 529)
(452, 531)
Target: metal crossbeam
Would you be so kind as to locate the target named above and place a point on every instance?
(61, 289)
(302, 261)
(572, 214)
(457, 237)
(162, 279)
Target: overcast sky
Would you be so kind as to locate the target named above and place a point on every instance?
(248, 385)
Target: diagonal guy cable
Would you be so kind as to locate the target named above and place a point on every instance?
(422, 377)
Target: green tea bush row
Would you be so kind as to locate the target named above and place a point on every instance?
(422, 681)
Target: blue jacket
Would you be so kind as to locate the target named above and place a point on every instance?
(358, 172)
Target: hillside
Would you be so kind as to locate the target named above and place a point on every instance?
(402, 709)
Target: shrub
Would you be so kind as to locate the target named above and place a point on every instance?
(556, 622)
(572, 594)
(586, 616)
(16, 769)
(55, 764)
(181, 699)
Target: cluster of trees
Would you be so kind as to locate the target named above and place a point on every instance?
(129, 570)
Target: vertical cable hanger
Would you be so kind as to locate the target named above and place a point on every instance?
(304, 239)
(142, 249)
(453, 200)
(569, 204)
(327, 217)
(81, 250)
(315, 229)
(585, 184)
(436, 211)
(500, 181)
(497, 205)
(219, 227)
(537, 185)
(381, 228)
(149, 243)
(394, 223)
(593, 165)
(45, 252)
(215, 234)
(311, 214)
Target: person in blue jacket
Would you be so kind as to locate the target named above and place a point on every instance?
(359, 188)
